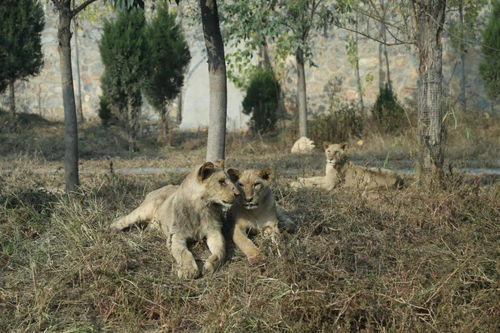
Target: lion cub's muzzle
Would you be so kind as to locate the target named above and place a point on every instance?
(249, 203)
(231, 199)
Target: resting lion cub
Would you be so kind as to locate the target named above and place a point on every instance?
(191, 211)
(339, 171)
(257, 211)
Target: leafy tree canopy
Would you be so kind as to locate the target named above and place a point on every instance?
(21, 24)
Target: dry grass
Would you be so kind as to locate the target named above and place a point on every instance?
(413, 260)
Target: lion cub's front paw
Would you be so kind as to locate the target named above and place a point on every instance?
(256, 259)
(211, 265)
(188, 272)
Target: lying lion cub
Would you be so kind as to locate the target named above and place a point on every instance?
(257, 211)
(191, 211)
(339, 171)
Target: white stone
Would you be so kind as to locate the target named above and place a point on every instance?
(303, 145)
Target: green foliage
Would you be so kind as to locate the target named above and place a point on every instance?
(21, 24)
(336, 126)
(104, 111)
(388, 112)
(168, 57)
(461, 32)
(261, 101)
(123, 50)
(490, 66)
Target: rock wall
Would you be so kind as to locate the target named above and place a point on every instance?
(42, 94)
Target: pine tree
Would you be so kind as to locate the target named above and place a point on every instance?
(261, 101)
(21, 24)
(168, 56)
(123, 50)
(490, 66)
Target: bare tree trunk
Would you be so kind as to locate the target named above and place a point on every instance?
(358, 75)
(462, 99)
(132, 121)
(387, 69)
(217, 80)
(429, 18)
(79, 109)
(381, 72)
(301, 93)
(165, 131)
(12, 97)
(71, 129)
(178, 116)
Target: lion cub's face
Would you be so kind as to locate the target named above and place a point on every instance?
(254, 185)
(219, 185)
(336, 153)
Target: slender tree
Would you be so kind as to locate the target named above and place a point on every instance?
(66, 14)
(463, 31)
(21, 25)
(168, 56)
(299, 18)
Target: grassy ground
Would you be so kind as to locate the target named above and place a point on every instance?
(413, 260)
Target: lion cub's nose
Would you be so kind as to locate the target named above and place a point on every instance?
(248, 199)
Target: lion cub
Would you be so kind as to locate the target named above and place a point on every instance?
(257, 211)
(339, 171)
(191, 211)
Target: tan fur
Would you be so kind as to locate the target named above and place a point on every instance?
(339, 171)
(257, 211)
(190, 211)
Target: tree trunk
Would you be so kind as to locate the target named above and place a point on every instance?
(301, 93)
(12, 97)
(462, 99)
(165, 132)
(358, 75)
(387, 69)
(217, 80)
(178, 116)
(381, 72)
(71, 129)
(132, 121)
(79, 108)
(429, 20)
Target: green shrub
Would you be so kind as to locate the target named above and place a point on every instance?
(336, 126)
(489, 68)
(261, 101)
(104, 111)
(387, 112)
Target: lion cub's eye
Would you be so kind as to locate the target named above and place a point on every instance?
(240, 184)
(222, 181)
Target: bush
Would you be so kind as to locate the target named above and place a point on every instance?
(261, 101)
(489, 68)
(387, 112)
(336, 126)
(104, 111)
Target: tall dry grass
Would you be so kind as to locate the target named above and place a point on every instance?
(413, 260)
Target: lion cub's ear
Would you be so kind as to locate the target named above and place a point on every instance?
(219, 164)
(234, 174)
(326, 144)
(206, 170)
(343, 145)
(267, 174)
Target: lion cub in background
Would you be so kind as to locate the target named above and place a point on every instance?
(191, 211)
(257, 211)
(339, 171)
